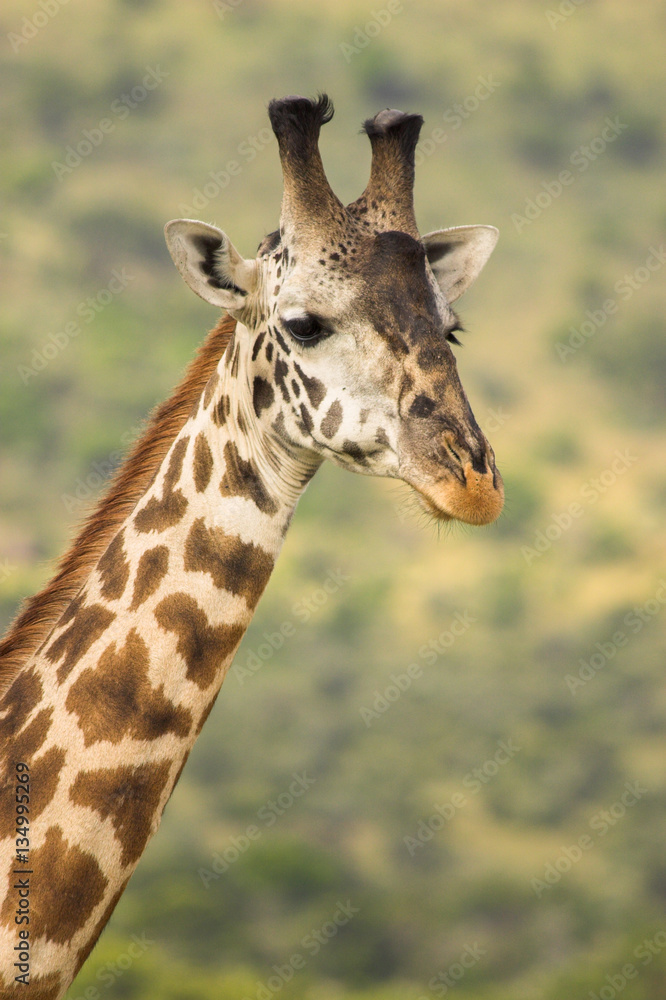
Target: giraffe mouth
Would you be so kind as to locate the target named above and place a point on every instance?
(479, 500)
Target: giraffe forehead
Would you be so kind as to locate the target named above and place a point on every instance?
(360, 275)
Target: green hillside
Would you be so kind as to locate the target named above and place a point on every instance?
(494, 831)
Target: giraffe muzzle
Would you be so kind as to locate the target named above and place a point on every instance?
(472, 491)
(479, 500)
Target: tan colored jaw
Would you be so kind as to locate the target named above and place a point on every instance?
(478, 501)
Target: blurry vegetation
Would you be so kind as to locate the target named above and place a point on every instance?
(543, 633)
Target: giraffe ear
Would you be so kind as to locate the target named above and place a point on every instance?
(457, 256)
(210, 263)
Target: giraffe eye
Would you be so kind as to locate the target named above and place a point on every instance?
(305, 329)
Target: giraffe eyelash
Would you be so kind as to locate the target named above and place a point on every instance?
(451, 334)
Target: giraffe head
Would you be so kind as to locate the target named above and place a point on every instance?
(345, 318)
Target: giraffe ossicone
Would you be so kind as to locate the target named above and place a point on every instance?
(337, 344)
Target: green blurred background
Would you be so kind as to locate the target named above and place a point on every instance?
(463, 869)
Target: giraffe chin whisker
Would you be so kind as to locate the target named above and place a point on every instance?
(428, 507)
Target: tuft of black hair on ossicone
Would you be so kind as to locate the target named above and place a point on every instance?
(300, 116)
(398, 126)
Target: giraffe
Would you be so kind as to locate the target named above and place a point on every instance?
(334, 343)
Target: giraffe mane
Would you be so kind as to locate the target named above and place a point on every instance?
(40, 613)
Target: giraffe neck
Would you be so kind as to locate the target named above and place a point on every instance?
(109, 708)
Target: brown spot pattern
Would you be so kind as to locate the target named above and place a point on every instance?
(211, 386)
(330, 425)
(203, 463)
(59, 906)
(44, 777)
(114, 569)
(150, 572)
(241, 479)
(243, 568)
(158, 515)
(21, 748)
(202, 646)
(19, 701)
(222, 411)
(306, 420)
(86, 627)
(40, 988)
(72, 608)
(206, 712)
(115, 698)
(129, 797)
(315, 389)
(262, 394)
(35, 622)
(25, 744)
(99, 927)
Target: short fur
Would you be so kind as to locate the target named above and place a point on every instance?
(39, 614)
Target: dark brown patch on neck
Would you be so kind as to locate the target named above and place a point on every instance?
(203, 462)
(86, 627)
(44, 778)
(99, 927)
(129, 797)
(241, 479)
(23, 746)
(211, 386)
(150, 572)
(114, 569)
(158, 515)
(41, 987)
(242, 568)
(43, 775)
(116, 699)
(68, 885)
(19, 701)
(203, 646)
